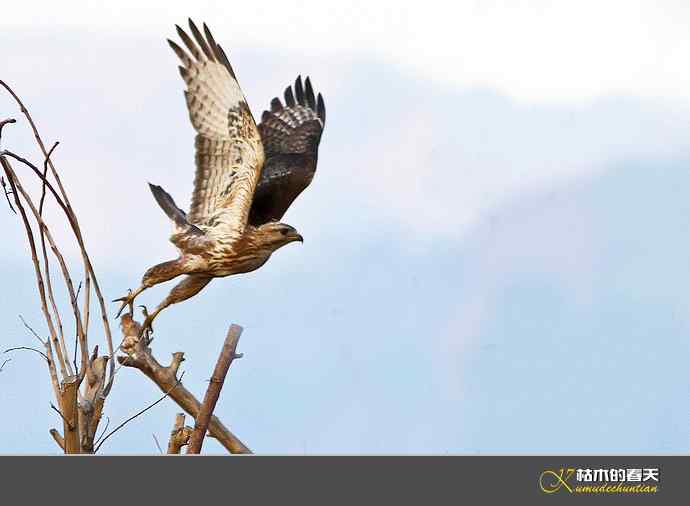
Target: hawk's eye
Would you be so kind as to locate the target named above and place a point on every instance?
(284, 231)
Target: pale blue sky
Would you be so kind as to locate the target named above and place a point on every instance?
(483, 271)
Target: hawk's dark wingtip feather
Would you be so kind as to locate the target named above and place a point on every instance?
(213, 45)
(276, 105)
(200, 40)
(311, 101)
(180, 52)
(299, 91)
(289, 97)
(321, 109)
(189, 43)
(225, 61)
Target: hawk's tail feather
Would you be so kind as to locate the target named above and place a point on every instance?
(169, 207)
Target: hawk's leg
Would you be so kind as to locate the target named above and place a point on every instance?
(157, 274)
(188, 287)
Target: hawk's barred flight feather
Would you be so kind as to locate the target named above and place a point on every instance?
(229, 152)
(290, 135)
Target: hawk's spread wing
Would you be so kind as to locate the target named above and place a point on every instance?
(229, 153)
(290, 135)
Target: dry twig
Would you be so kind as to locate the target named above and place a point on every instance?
(39, 277)
(28, 327)
(28, 348)
(158, 445)
(137, 414)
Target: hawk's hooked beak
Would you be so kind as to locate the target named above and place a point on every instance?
(294, 236)
(291, 235)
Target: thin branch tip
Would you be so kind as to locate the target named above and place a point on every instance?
(69, 424)
(225, 358)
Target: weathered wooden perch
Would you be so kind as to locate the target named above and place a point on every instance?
(139, 356)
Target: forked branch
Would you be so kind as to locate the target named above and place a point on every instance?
(139, 356)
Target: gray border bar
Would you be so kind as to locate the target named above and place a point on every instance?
(321, 480)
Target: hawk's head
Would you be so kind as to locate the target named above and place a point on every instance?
(274, 235)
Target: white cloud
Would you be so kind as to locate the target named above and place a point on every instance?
(533, 51)
(445, 162)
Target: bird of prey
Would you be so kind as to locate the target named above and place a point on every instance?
(247, 175)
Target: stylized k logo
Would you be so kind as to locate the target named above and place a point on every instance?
(552, 481)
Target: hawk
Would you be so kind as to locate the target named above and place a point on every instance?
(247, 175)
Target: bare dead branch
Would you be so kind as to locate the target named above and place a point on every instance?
(60, 347)
(227, 355)
(158, 445)
(67, 392)
(45, 172)
(27, 348)
(57, 410)
(2, 179)
(139, 356)
(84, 415)
(58, 438)
(81, 327)
(5, 122)
(28, 327)
(3, 364)
(88, 267)
(7, 193)
(76, 331)
(39, 277)
(137, 414)
(43, 179)
(58, 341)
(76, 295)
(107, 424)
